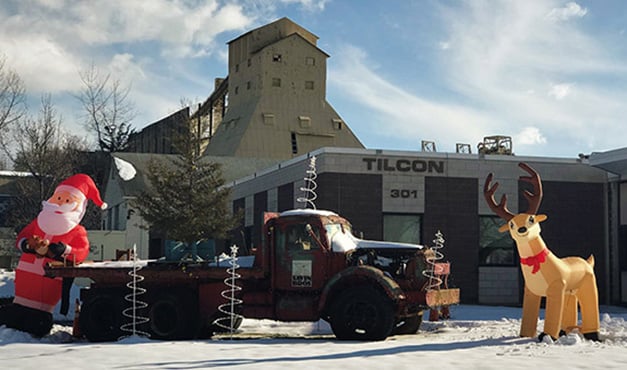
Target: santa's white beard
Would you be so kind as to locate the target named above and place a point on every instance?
(58, 220)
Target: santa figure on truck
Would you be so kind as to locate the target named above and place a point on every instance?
(55, 235)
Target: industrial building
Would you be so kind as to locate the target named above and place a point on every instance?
(409, 196)
(271, 105)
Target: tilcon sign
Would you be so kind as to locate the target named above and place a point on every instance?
(403, 165)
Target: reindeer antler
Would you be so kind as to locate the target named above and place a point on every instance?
(535, 198)
(500, 209)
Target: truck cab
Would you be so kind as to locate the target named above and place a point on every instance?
(319, 269)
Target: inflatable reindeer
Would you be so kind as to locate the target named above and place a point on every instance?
(565, 282)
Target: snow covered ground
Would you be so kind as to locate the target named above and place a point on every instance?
(477, 337)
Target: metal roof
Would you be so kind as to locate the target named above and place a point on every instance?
(614, 161)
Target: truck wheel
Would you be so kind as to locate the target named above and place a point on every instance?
(408, 325)
(172, 317)
(362, 313)
(101, 317)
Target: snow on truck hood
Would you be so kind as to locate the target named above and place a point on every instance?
(344, 242)
(372, 244)
(307, 212)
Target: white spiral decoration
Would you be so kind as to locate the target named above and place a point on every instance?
(309, 190)
(228, 322)
(131, 312)
(434, 280)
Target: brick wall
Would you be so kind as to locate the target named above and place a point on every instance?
(451, 207)
(357, 198)
(499, 285)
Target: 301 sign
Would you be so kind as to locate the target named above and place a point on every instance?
(403, 193)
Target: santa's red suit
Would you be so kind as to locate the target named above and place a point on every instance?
(32, 288)
(54, 235)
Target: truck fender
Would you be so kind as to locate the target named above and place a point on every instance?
(355, 275)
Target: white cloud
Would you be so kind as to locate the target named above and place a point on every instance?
(529, 136)
(570, 10)
(181, 27)
(43, 64)
(312, 5)
(49, 41)
(500, 60)
(52, 4)
(174, 26)
(560, 91)
(492, 76)
(508, 64)
(399, 114)
(124, 68)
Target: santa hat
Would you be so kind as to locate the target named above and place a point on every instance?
(82, 186)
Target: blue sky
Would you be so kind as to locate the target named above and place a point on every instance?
(550, 73)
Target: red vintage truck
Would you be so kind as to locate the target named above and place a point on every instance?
(309, 267)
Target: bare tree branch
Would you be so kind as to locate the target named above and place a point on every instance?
(108, 109)
(12, 99)
(48, 153)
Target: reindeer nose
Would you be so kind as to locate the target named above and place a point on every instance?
(522, 230)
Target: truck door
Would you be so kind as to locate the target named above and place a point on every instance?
(300, 263)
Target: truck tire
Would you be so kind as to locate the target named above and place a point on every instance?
(172, 316)
(101, 318)
(408, 325)
(362, 313)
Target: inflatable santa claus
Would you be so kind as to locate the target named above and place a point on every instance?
(54, 235)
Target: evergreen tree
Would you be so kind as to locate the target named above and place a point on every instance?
(187, 200)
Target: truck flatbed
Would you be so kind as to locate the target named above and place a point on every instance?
(117, 272)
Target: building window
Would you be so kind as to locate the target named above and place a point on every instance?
(276, 82)
(236, 90)
(310, 61)
(404, 228)
(276, 57)
(337, 124)
(309, 85)
(249, 62)
(268, 119)
(294, 144)
(495, 248)
(248, 85)
(304, 121)
(237, 67)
